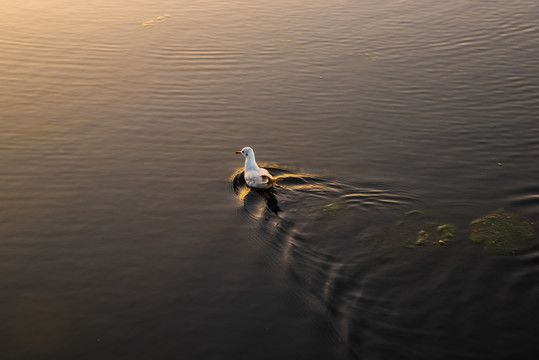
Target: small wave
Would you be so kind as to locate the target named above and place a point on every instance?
(526, 200)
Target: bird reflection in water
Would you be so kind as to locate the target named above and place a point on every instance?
(251, 197)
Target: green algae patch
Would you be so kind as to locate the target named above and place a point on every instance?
(446, 231)
(332, 209)
(418, 229)
(502, 233)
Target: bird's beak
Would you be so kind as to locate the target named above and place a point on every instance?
(238, 152)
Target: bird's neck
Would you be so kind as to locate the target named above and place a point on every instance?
(250, 163)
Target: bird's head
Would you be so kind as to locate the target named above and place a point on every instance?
(247, 152)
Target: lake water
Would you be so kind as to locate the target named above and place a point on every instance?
(123, 234)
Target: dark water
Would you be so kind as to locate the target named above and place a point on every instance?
(121, 233)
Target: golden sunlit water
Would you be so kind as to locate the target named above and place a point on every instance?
(127, 231)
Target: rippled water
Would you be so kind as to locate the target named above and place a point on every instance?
(125, 228)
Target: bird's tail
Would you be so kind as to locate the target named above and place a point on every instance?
(269, 179)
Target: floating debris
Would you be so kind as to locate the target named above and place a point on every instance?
(156, 20)
(502, 233)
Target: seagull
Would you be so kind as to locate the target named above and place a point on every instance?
(255, 177)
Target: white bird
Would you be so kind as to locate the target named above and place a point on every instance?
(254, 176)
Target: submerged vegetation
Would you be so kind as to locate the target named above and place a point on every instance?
(502, 232)
(418, 229)
(332, 209)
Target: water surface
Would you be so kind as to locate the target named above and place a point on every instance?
(121, 235)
